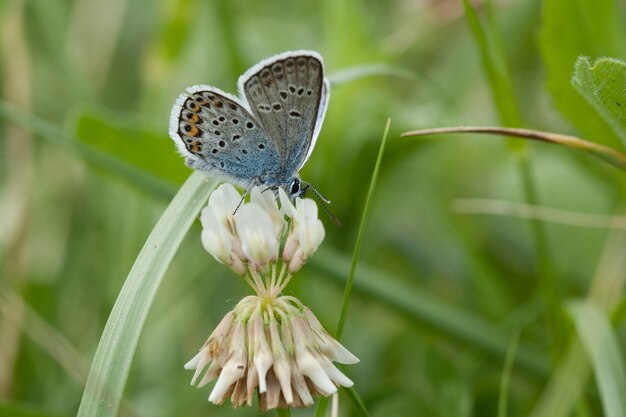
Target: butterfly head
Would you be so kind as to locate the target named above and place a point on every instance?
(297, 188)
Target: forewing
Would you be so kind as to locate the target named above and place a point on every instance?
(216, 133)
(287, 94)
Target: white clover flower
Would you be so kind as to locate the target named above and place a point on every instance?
(256, 232)
(267, 200)
(288, 361)
(306, 233)
(269, 344)
(223, 202)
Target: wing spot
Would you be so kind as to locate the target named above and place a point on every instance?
(309, 92)
(244, 151)
(215, 122)
(264, 108)
(283, 94)
(214, 151)
(196, 147)
(221, 143)
(199, 99)
(300, 91)
(235, 137)
(235, 121)
(222, 118)
(261, 146)
(192, 105)
(187, 127)
(294, 113)
(222, 164)
(289, 63)
(219, 104)
(249, 125)
(232, 106)
(292, 89)
(217, 132)
(277, 106)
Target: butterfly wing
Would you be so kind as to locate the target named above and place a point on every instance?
(216, 133)
(288, 94)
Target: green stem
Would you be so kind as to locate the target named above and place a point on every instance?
(359, 238)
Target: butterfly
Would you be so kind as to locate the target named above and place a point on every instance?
(264, 136)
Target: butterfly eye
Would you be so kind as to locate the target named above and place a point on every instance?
(294, 188)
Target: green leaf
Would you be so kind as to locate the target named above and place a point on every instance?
(153, 152)
(602, 347)
(111, 364)
(603, 84)
(571, 29)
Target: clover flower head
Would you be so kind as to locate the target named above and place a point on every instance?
(269, 344)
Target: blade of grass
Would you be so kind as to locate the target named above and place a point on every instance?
(602, 347)
(505, 381)
(360, 234)
(97, 159)
(111, 364)
(564, 391)
(451, 321)
(502, 91)
(613, 157)
(496, 70)
(323, 402)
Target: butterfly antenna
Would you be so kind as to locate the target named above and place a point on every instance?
(323, 202)
(243, 197)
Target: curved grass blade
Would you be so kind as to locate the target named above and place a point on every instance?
(323, 402)
(610, 155)
(111, 364)
(602, 347)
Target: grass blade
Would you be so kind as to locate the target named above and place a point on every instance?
(452, 321)
(361, 232)
(495, 69)
(111, 364)
(323, 402)
(602, 347)
(613, 157)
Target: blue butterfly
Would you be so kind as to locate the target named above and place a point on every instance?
(262, 137)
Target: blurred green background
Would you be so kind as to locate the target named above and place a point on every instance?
(444, 288)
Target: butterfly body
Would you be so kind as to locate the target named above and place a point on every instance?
(263, 137)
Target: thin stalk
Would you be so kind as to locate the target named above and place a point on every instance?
(359, 239)
(323, 402)
(609, 155)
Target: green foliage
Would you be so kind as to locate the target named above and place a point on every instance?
(148, 150)
(603, 84)
(111, 364)
(571, 29)
(450, 313)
